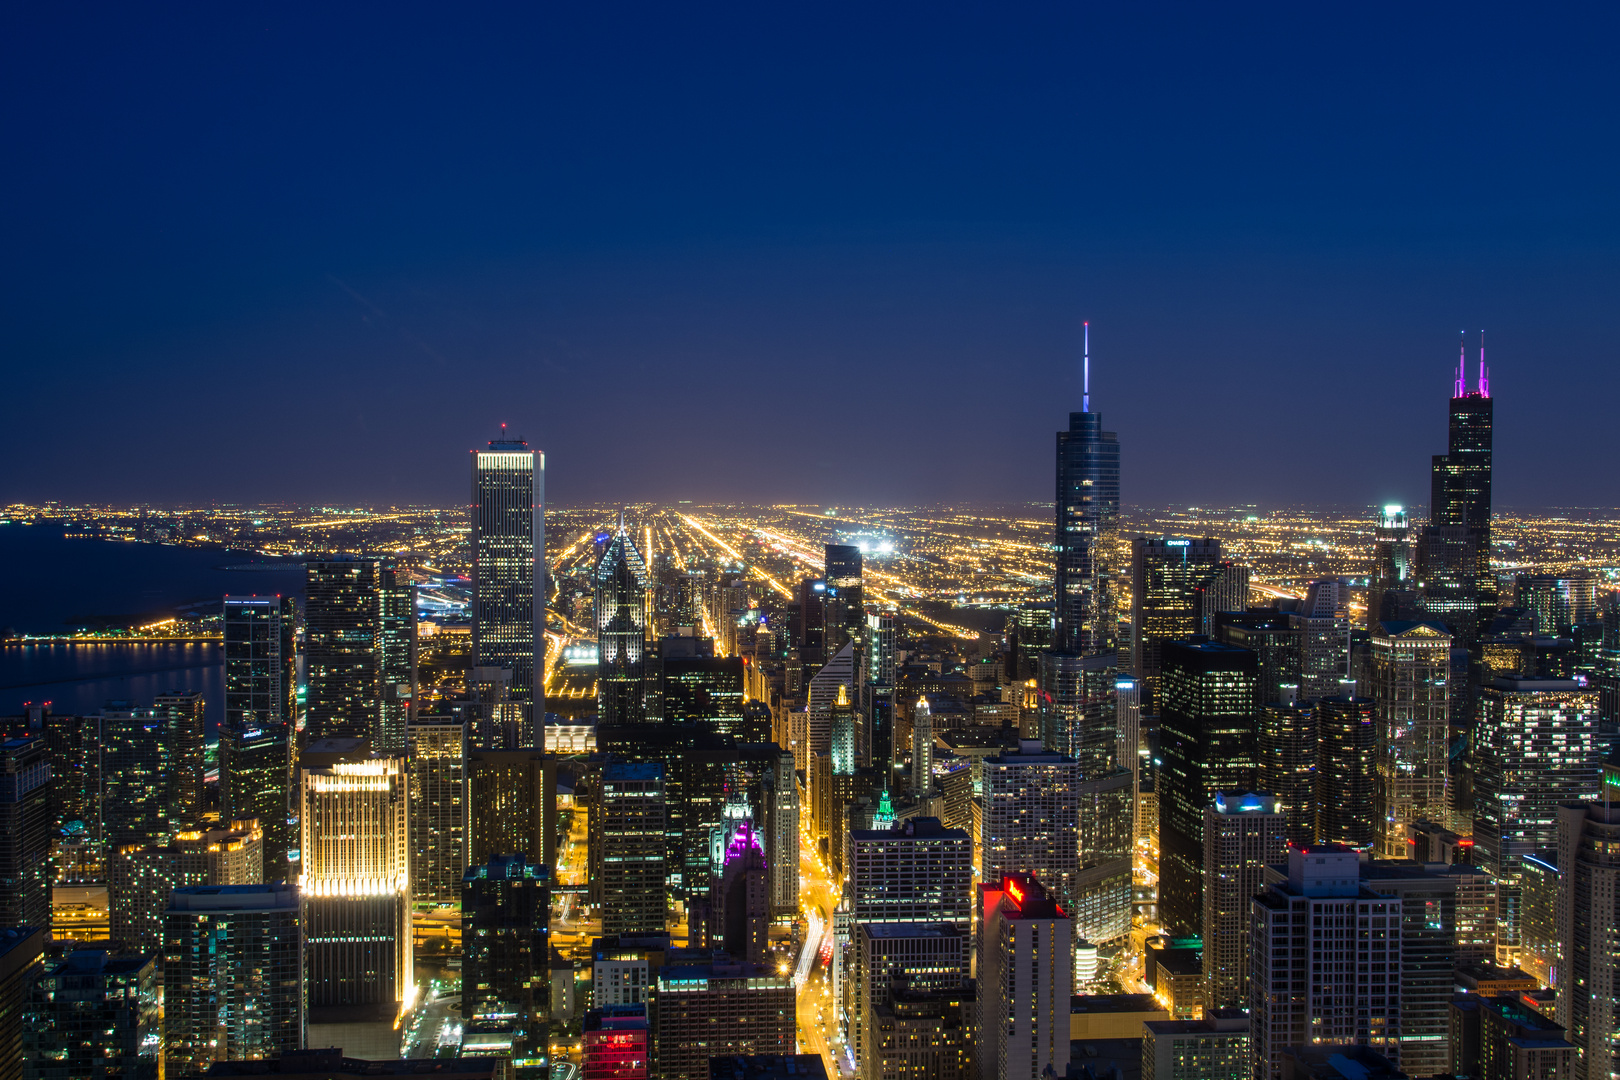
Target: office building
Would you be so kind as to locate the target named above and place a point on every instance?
(261, 717)
(624, 967)
(1346, 771)
(629, 834)
(1079, 710)
(20, 950)
(1499, 1037)
(622, 587)
(438, 771)
(1087, 581)
(1031, 819)
(1460, 504)
(233, 975)
(25, 833)
(740, 902)
(1322, 626)
(1322, 943)
(74, 747)
(93, 1015)
(1411, 675)
(1025, 976)
(360, 651)
(1285, 752)
(139, 782)
(615, 1043)
(1538, 916)
(396, 656)
(1429, 905)
(916, 871)
(1101, 907)
(355, 881)
(511, 806)
(921, 1033)
(509, 573)
(1214, 1048)
(701, 689)
(1207, 745)
(140, 879)
(1243, 834)
(844, 599)
(1165, 572)
(919, 956)
(1392, 585)
(1589, 979)
(506, 957)
(714, 1009)
(184, 709)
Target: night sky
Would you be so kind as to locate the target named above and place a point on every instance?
(818, 253)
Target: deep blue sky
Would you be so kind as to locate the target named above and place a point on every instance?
(802, 252)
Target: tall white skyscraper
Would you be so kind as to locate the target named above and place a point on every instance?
(509, 572)
(1031, 822)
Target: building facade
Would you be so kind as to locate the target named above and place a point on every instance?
(509, 573)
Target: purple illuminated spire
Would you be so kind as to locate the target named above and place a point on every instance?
(744, 839)
(1484, 374)
(1462, 360)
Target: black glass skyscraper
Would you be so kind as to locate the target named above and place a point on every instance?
(844, 597)
(1459, 585)
(509, 571)
(621, 631)
(261, 716)
(1087, 530)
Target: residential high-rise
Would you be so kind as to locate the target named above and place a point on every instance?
(1214, 1048)
(1025, 975)
(185, 712)
(1323, 628)
(511, 806)
(509, 572)
(92, 1015)
(1535, 747)
(1285, 752)
(844, 598)
(1079, 710)
(621, 631)
(1207, 745)
(140, 879)
(1031, 820)
(438, 768)
(233, 975)
(628, 831)
(1346, 771)
(1429, 907)
(1275, 641)
(1411, 672)
(360, 650)
(890, 956)
(1321, 944)
(20, 950)
(1165, 574)
(139, 781)
(1243, 834)
(506, 958)
(25, 833)
(1087, 537)
(355, 880)
(916, 871)
(74, 746)
(1460, 498)
(396, 657)
(714, 1009)
(1101, 910)
(702, 689)
(1588, 888)
(261, 717)
(1502, 1038)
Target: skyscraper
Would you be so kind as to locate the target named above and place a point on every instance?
(1347, 772)
(438, 765)
(717, 1009)
(360, 650)
(1391, 587)
(96, 1015)
(1588, 885)
(844, 598)
(25, 833)
(185, 711)
(1243, 834)
(1286, 755)
(261, 717)
(1031, 822)
(1412, 695)
(396, 657)
(233, 975)
(140, 785)
(355, 881)
(20, 950)
(1079, 710)
(1460, 498)
(1087, 529)
(1025, 975)
(1165, 574)
(140, 879)
(621, 631)
(509, 572)
(740, 901)
(630, 837)
(506, 959)
(511, 806)
(1207, 744)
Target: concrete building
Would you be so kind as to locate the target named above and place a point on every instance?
(140, 879)
(1411, 675)
(506, 958)
(1215, 1048)
(1031, 820)
(708, 1010)
(1243, 834)
(1588, 888)
(1025, 975)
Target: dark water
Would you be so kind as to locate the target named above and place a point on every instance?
(52, 584)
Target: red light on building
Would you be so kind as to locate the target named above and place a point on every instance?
(1012, 890)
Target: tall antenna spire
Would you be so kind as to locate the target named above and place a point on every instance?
(1085, 377)
(1462, 359)
(1484, 376)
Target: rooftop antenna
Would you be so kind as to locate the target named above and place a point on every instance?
(1085, 377)
(1462, 358)
(1484, 376)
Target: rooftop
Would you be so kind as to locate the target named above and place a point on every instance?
(767, 1067)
